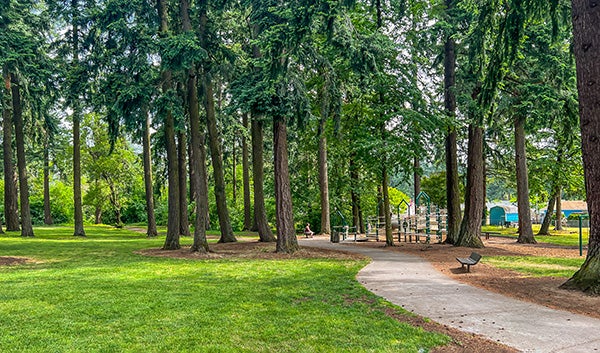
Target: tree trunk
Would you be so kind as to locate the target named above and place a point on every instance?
(47, 211)
(389, 237)
(26, 226)
(417, 177)
(198, 160)
(198, 182)
(234, 171)
(172, 239)
(559, 214)
(213, 137)
(77, 202)
(452, 186)
(286, 234)
(98, 215)
(11, 206)
(324, 179)
(356, 214)
(380, 209)
(484, 214)
(151, 228)
(544, 229)
(586, 46)
(470, 227)
(78, 205)
(525, 231)
(217, 163)
(246, 176)
(184, 223)
(260, 214)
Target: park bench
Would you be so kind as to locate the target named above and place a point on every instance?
(487, 234)
(472, 260)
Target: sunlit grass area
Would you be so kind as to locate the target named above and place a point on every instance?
(567, 237)
(95, 294)
(537, 266)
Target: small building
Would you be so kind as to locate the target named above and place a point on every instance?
(497, 215)
(502, 213)
(570, 206)
(574, 206)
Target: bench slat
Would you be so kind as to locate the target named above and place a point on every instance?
(473, 259)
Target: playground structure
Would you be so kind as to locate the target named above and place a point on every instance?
(419, 227)
(423, 224)
(343, 230)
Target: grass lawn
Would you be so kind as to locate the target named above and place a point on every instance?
(541, 266)
(537, 266)
(95, 294)
(567, 237)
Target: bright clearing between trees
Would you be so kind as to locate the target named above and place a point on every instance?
(96, 295)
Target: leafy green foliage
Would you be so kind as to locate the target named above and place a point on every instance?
(113, 172)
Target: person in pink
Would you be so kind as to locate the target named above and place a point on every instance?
(307, 231)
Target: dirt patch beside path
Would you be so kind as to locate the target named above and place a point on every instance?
(11, 261)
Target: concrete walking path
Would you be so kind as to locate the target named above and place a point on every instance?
(412, 283)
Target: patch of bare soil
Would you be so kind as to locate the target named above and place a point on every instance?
(11, 261)
(461, 341)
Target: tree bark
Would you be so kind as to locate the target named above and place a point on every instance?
(172, 239)
(217, 163)
(324, 179)
(525, 230)
(286, 234)
(234, 171)
(389, 237)
(470, 227)
(47, 210)
(559, 214)
(586, 46)
(380, 209)
(11, 206)
(416, 177)
(26, 226)
(544, 229)
(246, 176)
(98, 215)
(452, 188)
(213, 138)
(79, 231)
(260, 214)
(356, 213)
(184, 223)
(147, 159)
(198, 182)
(452, 185)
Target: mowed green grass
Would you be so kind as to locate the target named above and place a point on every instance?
(567, 237)
(95, 294)
(537, 266)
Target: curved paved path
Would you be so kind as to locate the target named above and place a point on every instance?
(412, 283)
